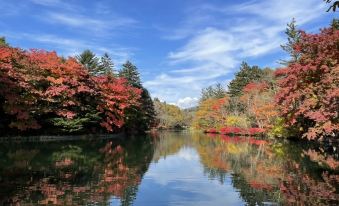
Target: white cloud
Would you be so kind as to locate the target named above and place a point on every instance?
(282, 10)
(187, 102)
(72, 47)
(215, 47)
(47, 2)
(89, 23)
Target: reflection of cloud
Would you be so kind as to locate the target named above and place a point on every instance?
(162, 172)
(179, 180)
(188, 154)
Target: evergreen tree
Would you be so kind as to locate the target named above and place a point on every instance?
(216, 91)
(333, 5)
(130, 72)
(3, 42)
(88, 59)
(141, 118)
(293, 37)
(106, 65)
(246, 75)
(335, 24)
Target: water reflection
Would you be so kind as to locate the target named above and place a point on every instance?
(259, 171)
(72, 173)
(170, 168)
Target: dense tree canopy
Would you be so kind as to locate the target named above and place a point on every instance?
(246, 75)
(308, 96)
(39, 89)
(140, 117)
(168, 116)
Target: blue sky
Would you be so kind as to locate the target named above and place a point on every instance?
(179, 46)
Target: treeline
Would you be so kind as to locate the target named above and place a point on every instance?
(41, 92)
(169, 116)
(299, 100)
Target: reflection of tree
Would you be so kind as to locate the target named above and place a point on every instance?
(253, 170)
(77, 173)
(169, 143)
(93, 172)
(262, 171)
(300, 188)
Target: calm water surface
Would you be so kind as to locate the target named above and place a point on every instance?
(169, 168)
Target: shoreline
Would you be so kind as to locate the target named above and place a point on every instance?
(51, 138)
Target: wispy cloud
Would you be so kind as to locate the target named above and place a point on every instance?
(60, 5)
(282, 10)
(214, 50)
(72, 47)
(89, 23)
(47, 2)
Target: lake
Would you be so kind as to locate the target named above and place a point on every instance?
(168, 168)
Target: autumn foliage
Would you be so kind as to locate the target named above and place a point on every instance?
(39, 89)
(300, 100)
(309, 89)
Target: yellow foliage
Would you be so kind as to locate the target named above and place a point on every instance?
(237, 121)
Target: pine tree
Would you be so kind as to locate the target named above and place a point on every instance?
(216, 91)
(130, 72)
(3, 42)
(141, 118)
(88, 59)
(246, 75)
(333, 6)
(293, 37)
(335, 24)
(106, 65)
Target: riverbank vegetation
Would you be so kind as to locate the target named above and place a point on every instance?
(301, 99)
(41, 92)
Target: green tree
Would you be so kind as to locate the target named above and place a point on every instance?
(3, 42)
(335, 24)
(168, 116)
(139, 118)
(88, 59)
(130, 72)
(106, 65)
(216, 92)
(293, 37)
(333, 6)
(246, 75)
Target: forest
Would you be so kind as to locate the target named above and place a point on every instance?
(299, 100)
(43, 93)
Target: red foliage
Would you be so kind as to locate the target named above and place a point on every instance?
(232, 130)
(262, 186)
(257, 141)
(309, 89)
(37, 83)
(115, 97)
(211, 130)
(241, 131)
(255, 86)
(254, 131)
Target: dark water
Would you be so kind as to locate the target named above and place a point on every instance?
(168, 169)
